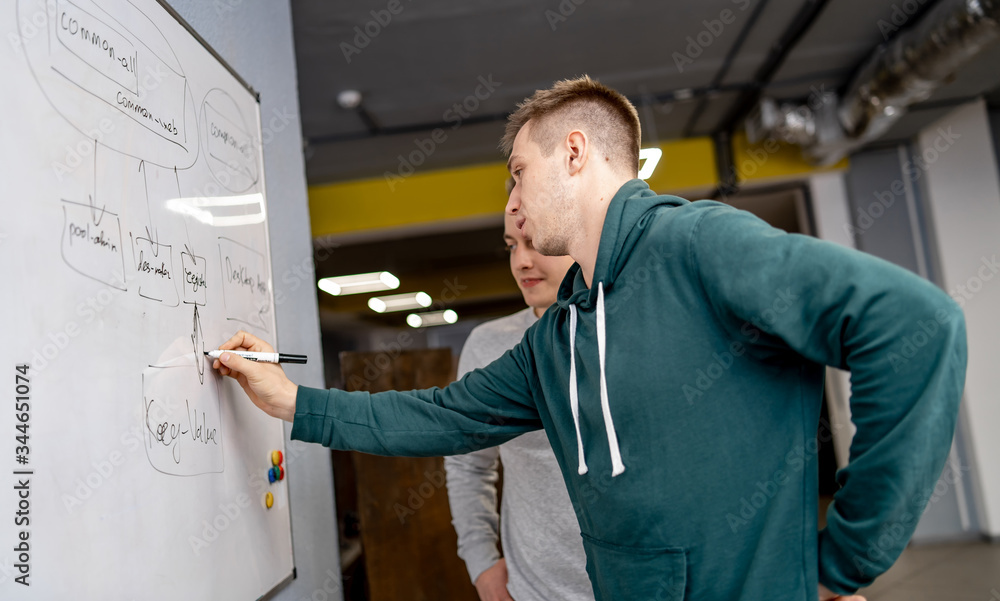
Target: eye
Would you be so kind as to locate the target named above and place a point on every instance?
(510, 248)
(516, 173)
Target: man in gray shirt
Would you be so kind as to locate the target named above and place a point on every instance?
(543, 552)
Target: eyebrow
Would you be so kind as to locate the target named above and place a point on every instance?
(507, 238)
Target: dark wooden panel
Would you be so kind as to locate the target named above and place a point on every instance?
(410, 546)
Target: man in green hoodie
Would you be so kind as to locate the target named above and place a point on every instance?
(679, 378)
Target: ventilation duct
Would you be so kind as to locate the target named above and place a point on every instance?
(902, 72)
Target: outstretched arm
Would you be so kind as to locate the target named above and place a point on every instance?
(485, 408)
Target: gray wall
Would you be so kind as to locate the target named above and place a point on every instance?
(877, 193)
(886, 194)
(962, 190)
(995, 129)
(255, 38)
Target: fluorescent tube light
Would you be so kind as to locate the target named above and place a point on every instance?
(357, 284)
(434, 318)
(399, 302)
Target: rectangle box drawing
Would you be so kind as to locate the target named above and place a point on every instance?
(195, 279)
(246, 284)
(92, 243)
(154, 266)
(98, 44)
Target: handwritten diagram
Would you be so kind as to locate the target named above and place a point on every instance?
(198, 345)
(228, 143)
(182, 426)
(136, 239)
(92, 243)
(168, 170)
(194, 278)
(245, 287)
(92, 67)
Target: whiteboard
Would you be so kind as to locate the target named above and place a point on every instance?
(133, 237)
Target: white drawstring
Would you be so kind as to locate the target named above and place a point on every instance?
(574, 399)
(617, 467)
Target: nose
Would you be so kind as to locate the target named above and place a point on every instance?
(522, 258)
(513, 201)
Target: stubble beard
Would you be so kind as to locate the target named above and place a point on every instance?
(554, 245)
(563, 222)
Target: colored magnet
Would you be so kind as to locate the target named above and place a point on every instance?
(276, 457)
(272, 474)
(281, 472)
(269, 500)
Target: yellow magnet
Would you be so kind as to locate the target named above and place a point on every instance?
(269, 500)
(276, 457)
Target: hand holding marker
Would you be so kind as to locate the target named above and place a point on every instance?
(277, 392)
(261, 357)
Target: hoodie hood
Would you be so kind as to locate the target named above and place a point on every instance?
(623, 226)
(622, 229)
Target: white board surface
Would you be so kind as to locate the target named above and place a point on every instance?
(133, 237)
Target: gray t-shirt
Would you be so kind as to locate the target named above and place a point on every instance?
(539, 532)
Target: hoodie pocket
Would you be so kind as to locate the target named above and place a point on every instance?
(635, 573)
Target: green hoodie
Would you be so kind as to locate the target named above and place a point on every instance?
(681, 394)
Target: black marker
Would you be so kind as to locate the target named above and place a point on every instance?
(261, 357)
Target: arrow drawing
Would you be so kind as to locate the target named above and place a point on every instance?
(198, 342)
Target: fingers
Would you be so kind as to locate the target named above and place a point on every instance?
(234, 364)
(826, 594)
(234, 342)
(246, 341)
(216, 364)
(240, 341)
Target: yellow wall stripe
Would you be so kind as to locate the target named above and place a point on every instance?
(772, 160)
(685, 165)
(372, 204)
(478, 190)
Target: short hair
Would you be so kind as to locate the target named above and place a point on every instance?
(606, 116)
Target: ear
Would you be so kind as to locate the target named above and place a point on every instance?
(577, 151)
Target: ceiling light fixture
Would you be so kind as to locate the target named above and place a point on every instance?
(434, 318)
(399, 302)
(349, 99)
(357, 284)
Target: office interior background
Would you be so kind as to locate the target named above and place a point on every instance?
(874, 124)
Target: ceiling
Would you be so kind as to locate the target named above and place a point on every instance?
(693, 68)
(432, 54)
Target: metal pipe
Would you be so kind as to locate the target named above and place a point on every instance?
(904, 71)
